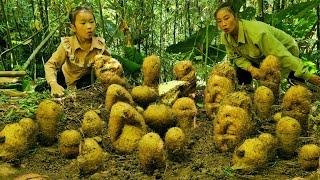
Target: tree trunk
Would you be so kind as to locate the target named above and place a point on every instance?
(12, 73)
(152, 21)
(260, 10)
(46, 4)
(34, 53)
(276, 5)
(7, 30)
(40, 8)
(318, 34)
(161, 28)
(140, 25)
(16, 24)
(101, 19)
(189, 18)
(175, 22)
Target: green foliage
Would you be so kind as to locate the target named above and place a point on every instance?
(196, 40)
(15, 109)
(133, 54)
(194, 46)
(128, 65)
(312, 60)
(229, 172)
(154, 29)
(248, 13)
(296, 19)
(237, 4)
(312, 67)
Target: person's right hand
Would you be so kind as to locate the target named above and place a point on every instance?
(56, 90)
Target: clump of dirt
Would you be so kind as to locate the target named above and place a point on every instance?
(126, 126)
(84, 100)
(270, 68)
(288, 130)
(48, 114)
(117, 93)
(16, 138)
(69, 142)
(151, 71)
(296, 104)
(144, 95)
(309, 156)
(185, 111)
(185, 71)
(175, 140)
(238, 99)
(217, 88)
(225, 69)
(159, 117)
(263, 100)
(92, 124)
(231, 125)
(151, 152)
(109, 71)
(253, 153)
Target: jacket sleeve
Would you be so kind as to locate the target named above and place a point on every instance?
(105, 50)
(55, 63)
(234, 57)
(269, 45)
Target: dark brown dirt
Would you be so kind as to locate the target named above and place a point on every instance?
(200, 161)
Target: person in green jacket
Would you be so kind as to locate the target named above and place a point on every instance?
(248, 43)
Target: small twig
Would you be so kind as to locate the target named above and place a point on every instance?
(308, 138)
(86, 87)
(165, 169)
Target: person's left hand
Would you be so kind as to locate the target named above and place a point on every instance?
(315, 80)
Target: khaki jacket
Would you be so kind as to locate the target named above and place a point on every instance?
(74, 61)
(256, 40)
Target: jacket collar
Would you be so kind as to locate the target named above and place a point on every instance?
(95, 43)
(241, 36)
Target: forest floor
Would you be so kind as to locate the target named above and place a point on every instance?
(200, 161)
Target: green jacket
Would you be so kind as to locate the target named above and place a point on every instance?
(256, 40)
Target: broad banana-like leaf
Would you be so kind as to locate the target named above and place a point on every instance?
(194, 41)
(297, 10)
(128, 66)
(133, 54)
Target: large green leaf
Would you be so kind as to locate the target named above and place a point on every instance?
(297, 10)
(133, 54)
(216, 53)
(194, 46)
(297, 19)
(128, 66)
(194, 41)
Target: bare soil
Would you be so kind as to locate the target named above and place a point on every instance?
(200, 161)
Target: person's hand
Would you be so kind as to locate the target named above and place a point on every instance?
(256, 73)
(315, 80)
(56, 90)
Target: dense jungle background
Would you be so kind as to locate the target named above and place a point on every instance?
(175, 30)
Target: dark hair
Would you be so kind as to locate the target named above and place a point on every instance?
(73, 13)
(228, 6)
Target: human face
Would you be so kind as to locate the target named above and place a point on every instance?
(84, 25)
(226, 21)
